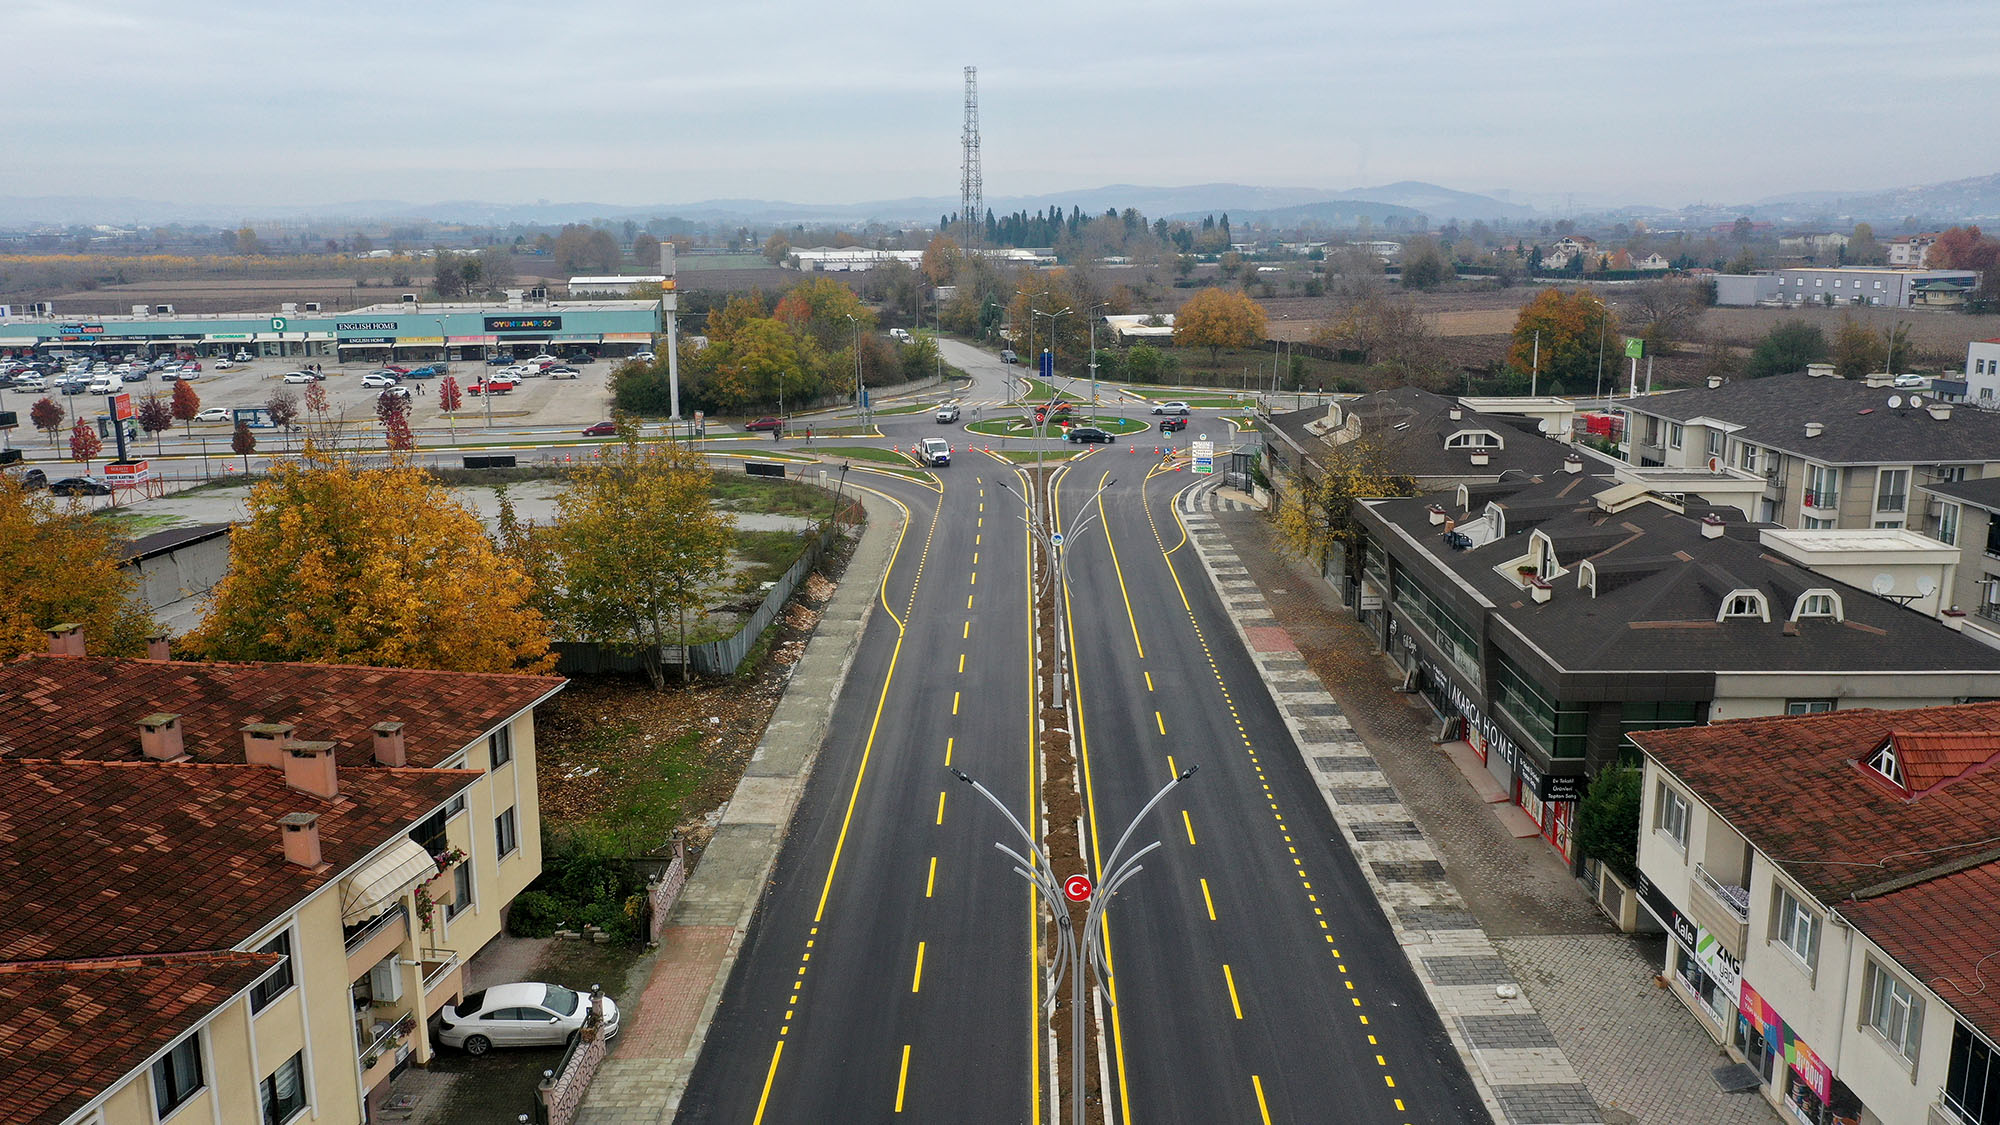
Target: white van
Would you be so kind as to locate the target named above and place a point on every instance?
(105, 384)
(900, 335)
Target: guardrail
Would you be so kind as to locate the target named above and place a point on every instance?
(1735, 898)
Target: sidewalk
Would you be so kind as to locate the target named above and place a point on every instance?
(663, 1029)
(1633, 1045)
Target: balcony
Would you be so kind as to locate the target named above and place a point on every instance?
(442, 980)
(384, 935)
(385, 1041)
(1722, 908)
(1825, 501)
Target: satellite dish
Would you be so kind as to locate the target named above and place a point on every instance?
(1895, 401)
(1883, 584)
(1916, 401)
(1927, 585)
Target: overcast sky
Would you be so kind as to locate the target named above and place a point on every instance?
(615, 101)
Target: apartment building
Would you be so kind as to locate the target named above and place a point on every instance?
(1982, 373)
(1548, 618)
(241, 892)
(1873, 285)
(1911, 250)
(1834, 453)
(1833, 899)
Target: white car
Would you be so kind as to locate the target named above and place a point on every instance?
(519, 1015)
(216, 414)
(30, 383)
(1176, 408)
(645, 357)
(243, 357)
(379, 379)
(539, 360)
(224, 364)
(397, 392)
(301, 377)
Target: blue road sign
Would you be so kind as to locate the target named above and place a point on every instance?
(1048, 364)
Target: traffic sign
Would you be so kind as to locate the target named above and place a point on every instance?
(1077, 887)
(1055, 540)
(1048, 364)
(1204, 456)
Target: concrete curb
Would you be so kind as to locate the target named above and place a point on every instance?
(1521, 1073)
(728, 883)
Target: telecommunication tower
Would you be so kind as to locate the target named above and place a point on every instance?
(971, 194)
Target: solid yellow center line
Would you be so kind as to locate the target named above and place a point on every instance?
(1190, 827)
(940, 818)
(1204, 895)
(930, 883)
(1263, 1110)
(770, 1076)
(903, 1078)
(917, 981)
(1233, 1002)
(947, 750)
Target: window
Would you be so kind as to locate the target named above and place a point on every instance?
(1797, 928)
(1715, 443)
(461, 886)
(429, 833)
(1887, 525)
(1743, 604)
(1947, 528)
(285, 1091)
(177, 1077)
(1747, 456)
(1892, 488)
(1814, 524)
(500, 747)
(1953, 473)
(1817, 603)
(456, 806)
(505, 834)
(279, 980)
(1894, 1011)
(1671, 816)
(1822, 487)
(1808, 706)
(1972, 1082)
(1675, 433)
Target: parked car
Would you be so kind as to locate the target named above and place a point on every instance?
(216, 414)
(499, 360)
(1909, 380)
(600, 429)
(580, 357)
(1007, 356)
(397, 392)
(519, 1015)
(1089, 434)
(562, 371)
(396, 367)
(645, 357)
(1173, 425)
(80, 486)
(948, 412)
(243, 357)
(900, 335)
(104, 384)
(764, 424)
(934, 452)
(379, 379)
(224, 364)
(489, 387)
(33, 480)
(504, 377)
(1170, 408)
(427, 371)
(301, 377)
(30, 383)
(538, 360)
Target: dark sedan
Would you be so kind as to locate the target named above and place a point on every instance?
(1088, 434)
(1173, 425)
(80, 486)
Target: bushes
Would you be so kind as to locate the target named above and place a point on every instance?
(1607, 822)
(534, 915)
(579, 886)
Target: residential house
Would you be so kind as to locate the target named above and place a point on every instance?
(1968, 517)
(1835, 453)
(242, 892)
(1982, 373)
(1653, 262)
(1548, 617)
(1912, 251)
(1833, 899)
(1438, 442)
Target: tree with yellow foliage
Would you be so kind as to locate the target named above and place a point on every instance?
(1569, 327)
(341, 564)
(1317, 510)
(1217, 319)
(91, 589)
(636, 544)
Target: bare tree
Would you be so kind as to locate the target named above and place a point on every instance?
(1664, 311)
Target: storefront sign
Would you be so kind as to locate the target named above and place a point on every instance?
(81, 329)
(357, 341)
(523, 323)
(1707, 949)
(1562, 787)
(1476, 721)
(1810, 1069)
(365, 326)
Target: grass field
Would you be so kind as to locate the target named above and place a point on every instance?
(864, 453)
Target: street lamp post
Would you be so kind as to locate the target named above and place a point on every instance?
(1072, 948)
(860, 387)
(1054, 547)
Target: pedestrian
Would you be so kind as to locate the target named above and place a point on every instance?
(777, 433)
(809, 435)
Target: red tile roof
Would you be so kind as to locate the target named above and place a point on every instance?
(1799, 790)
(1931, 758)
(123, 859)
(70, 1029)
(89, 708)
(1944, 933)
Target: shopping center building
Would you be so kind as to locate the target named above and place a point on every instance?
(401, 330)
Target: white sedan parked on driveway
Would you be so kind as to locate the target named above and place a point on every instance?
(519, 1015)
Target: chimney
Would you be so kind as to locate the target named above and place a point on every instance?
(159, 645)
(1880, 379)
(1714, 381)
(1953, 618)
(301, 831)
(264, 743)
(1573, 464)
(1479, 457)
(1814, 429)
(1711, 526)
(1436, 513)
(66, 639)
(1541, 591)
(1457, 414)
(1820, 370)
(160, 737)
(1939, 410)
(389, 748)
(309, 768)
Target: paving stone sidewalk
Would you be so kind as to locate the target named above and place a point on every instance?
(1589, 989)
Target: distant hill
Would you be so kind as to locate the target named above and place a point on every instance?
(1976, 199)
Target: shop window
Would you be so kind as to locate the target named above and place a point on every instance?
(1700, 983)
(1670, 816)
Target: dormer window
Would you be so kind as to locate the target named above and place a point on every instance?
(1472, 439)
(1885, 763)
(1744, 604)
(1818, 603)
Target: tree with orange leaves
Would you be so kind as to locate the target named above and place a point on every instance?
(1568, 326)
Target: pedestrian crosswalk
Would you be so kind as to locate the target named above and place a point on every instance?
(1208, 497)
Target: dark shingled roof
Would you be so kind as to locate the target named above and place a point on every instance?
(1660, 586)
(68, 1029)
(1978, 493)
(85, 707)
(1860, 426)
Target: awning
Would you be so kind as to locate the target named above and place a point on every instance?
(578, 338)
(19, 341)
(419, 341)
(367, 344)
(521, 341)
(475, 339)
(377, 886)
(628, 337)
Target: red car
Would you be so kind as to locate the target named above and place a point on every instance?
(601, 429)
(764, 424)
(397, 368)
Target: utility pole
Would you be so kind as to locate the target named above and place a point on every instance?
(1535, 370)
(669, 304)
